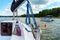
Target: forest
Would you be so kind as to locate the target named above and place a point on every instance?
(55, 12)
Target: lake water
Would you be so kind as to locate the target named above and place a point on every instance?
(51, 32)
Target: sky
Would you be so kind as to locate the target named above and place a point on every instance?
(37, 5)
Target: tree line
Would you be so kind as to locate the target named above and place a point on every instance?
(55, 12)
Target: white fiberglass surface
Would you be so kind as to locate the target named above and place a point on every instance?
(5, 37)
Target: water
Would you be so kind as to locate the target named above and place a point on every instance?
(51, 32)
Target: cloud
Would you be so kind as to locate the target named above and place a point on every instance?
(37, 5)
(37, 2)
(52, 4)
(44, 5)
(6, 11)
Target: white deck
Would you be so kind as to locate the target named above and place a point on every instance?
(5, 37)
(25, 34)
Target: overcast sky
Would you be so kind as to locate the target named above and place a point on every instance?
(37, 5)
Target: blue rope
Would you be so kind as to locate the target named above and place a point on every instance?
(28, 16)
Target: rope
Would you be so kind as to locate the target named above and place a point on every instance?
(28, 21)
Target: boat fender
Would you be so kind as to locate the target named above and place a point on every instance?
(18, 31)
